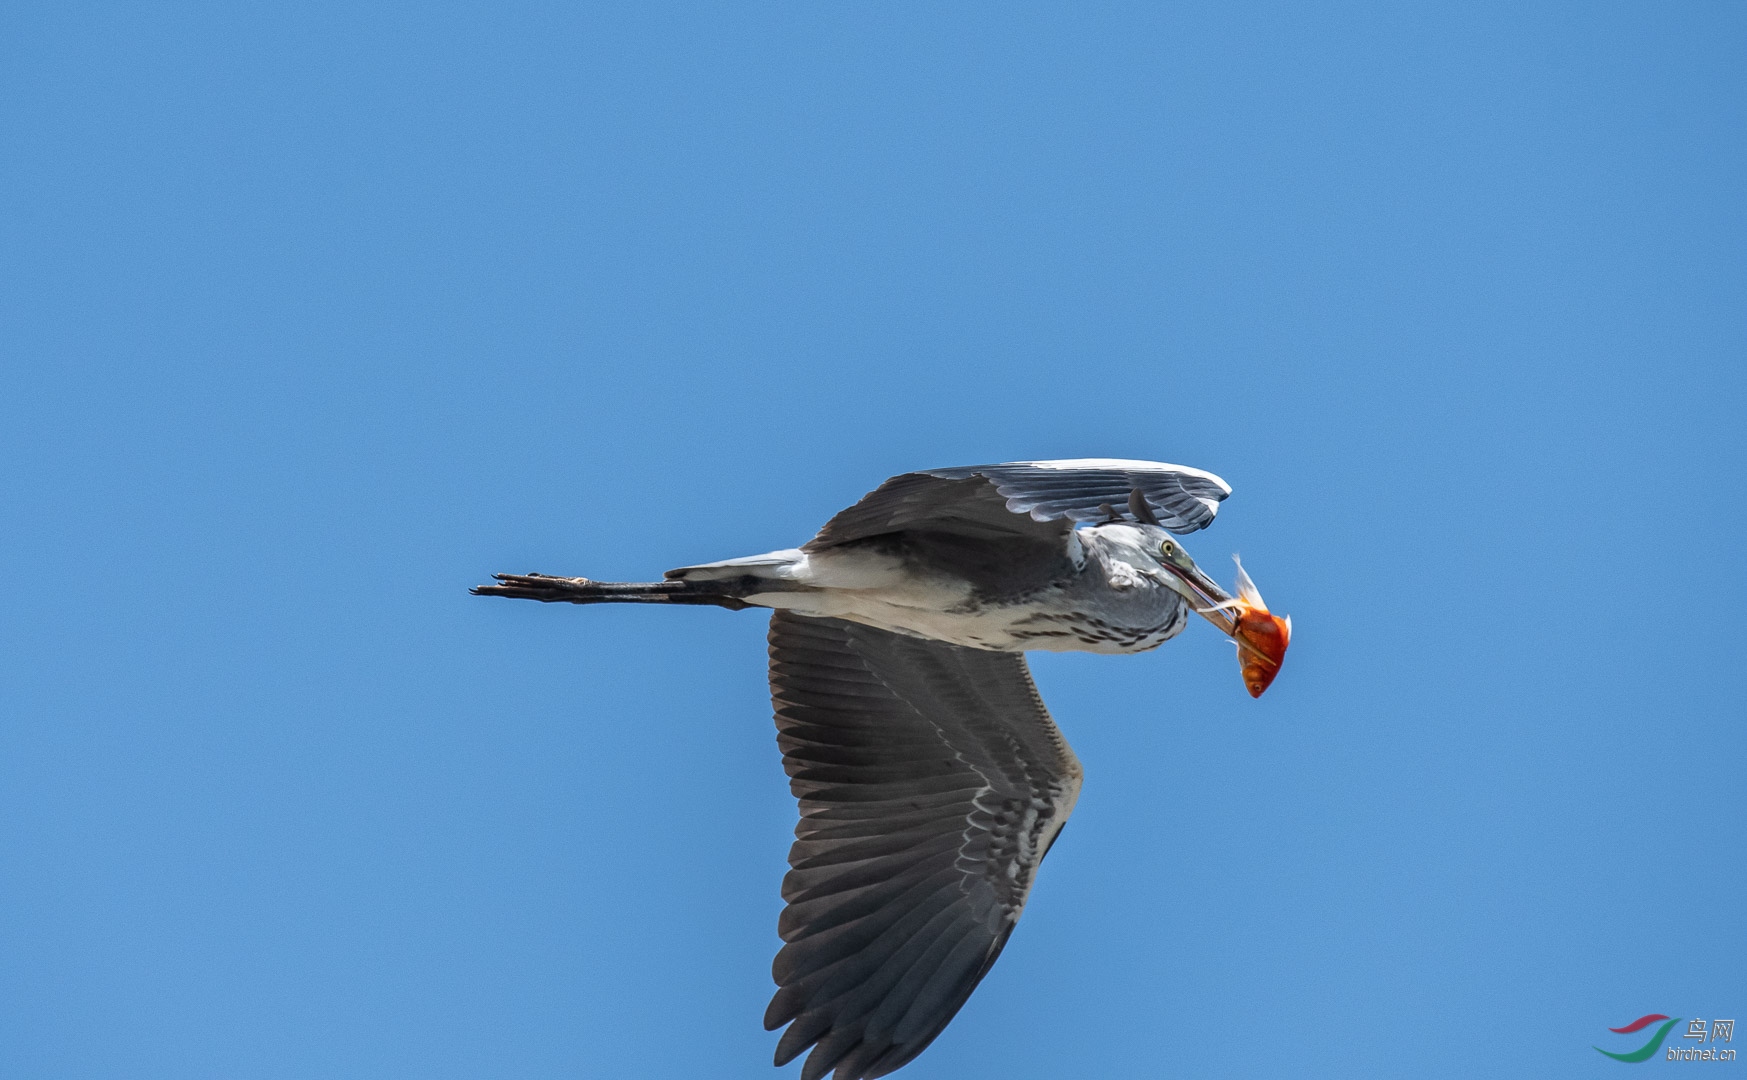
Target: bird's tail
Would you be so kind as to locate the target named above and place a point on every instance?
(574, 590)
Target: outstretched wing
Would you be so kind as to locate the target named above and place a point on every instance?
(1037, 499)
(931, 782)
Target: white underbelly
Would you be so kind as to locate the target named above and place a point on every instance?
(979, 630)
(1005, 629)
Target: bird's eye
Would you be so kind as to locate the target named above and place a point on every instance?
(1168, 549)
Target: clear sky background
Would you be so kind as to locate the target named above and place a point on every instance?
(311, 316)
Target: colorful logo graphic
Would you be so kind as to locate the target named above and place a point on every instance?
(1642, 1053)
(1698, 1033)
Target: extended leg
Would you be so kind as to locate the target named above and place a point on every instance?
(575, 590)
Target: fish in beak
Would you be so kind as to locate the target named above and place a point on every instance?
(1261, 636)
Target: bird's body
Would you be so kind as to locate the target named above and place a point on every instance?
(931, 780)
(1089, 595)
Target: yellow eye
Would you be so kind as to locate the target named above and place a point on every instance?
(1168, 549)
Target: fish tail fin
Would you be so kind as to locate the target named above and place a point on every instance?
(1246, 589)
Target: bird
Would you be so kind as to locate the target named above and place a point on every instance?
(931, 779)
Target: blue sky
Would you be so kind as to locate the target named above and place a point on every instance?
(316, 315)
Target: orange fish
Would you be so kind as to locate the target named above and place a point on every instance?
(1261, 635)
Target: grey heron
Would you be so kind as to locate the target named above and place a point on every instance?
(930, 777)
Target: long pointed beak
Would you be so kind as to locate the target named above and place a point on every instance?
(1215, 602)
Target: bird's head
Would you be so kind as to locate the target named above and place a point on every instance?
(1261, 636)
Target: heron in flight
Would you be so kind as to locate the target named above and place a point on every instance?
(930, 777)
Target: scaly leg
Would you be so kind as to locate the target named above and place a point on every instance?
(575, 590)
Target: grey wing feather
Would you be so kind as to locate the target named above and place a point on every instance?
(931, 782)
(1040, 500)
(1184, 499)
(919, 501)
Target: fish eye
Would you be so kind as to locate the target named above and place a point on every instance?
(1167, 549)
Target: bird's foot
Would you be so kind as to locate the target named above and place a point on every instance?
(537, 587)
